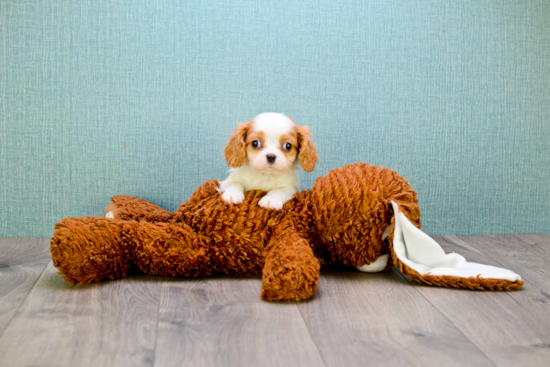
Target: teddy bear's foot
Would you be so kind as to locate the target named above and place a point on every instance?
(376, 266)
(291, 271)
(90, 249)
(112, 211)
(285, 284)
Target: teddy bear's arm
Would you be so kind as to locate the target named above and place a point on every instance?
(291, 270)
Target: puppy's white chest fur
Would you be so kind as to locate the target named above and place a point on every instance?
(281, 186)
(252, 180)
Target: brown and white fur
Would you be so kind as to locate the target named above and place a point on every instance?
(265, 154)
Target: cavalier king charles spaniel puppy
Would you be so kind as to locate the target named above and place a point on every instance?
(265, 154)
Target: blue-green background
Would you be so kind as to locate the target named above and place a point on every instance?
(138, 97)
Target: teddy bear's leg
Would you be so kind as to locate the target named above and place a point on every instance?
(130, 208)
(90, 249)
(172, 249)
(291, 270)
(381, 263)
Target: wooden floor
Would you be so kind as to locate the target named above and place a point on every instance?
(355, 319)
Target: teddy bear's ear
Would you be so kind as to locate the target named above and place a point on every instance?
(307, 151)
(235, 149)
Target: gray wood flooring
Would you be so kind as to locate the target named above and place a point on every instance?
(355, 319)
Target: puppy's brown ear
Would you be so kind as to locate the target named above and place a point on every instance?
(307, 152)
(235, 149)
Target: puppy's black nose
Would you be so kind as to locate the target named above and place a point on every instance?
(271, 158)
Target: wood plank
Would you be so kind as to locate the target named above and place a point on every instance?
(103, 324)
(22, 260)
(222, 322)
(539, 238)
(360, 319)
(511, 328)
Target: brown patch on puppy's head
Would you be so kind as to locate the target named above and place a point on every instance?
(307, 151)
(235, 149)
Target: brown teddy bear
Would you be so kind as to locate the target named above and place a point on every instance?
(359, 216)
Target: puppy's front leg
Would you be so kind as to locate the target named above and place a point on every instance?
(276, 198)
(233, 192)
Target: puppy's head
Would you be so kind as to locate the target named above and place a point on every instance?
(271, 142)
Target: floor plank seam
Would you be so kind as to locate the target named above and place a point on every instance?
(157, 328)
(311, 336)
(451, 321)
(24, 299)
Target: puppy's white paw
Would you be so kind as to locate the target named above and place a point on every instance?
(233, 196)
(271, 202)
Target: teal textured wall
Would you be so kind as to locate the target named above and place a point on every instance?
(138, 97)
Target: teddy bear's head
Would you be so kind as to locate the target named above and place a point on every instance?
(351, 209)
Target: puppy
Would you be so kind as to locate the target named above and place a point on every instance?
(265, 154)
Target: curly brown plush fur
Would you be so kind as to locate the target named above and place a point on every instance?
(340, 220)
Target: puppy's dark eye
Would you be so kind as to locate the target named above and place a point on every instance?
(256, 144)
(287, 146)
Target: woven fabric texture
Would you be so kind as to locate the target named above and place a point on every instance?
(138, 97)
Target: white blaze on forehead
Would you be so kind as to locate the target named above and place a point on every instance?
(273, 125)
